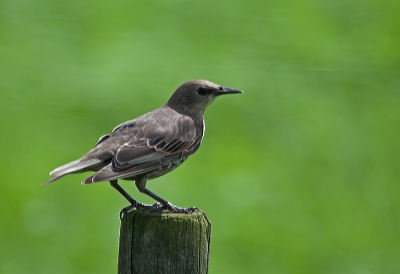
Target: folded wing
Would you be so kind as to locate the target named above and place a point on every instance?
(156, 143)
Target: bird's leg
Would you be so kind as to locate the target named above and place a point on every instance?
(141, 185)
(134, 203)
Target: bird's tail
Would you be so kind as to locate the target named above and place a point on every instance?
(73, 167)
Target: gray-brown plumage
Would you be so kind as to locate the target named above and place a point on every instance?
(150, 145)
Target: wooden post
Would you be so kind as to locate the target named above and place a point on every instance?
(164, 243)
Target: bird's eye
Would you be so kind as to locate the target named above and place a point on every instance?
(203, 91)
(221, 88)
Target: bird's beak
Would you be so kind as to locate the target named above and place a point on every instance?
(225, 90)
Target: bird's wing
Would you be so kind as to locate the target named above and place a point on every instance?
(157, 142)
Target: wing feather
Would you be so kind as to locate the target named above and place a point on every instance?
(157, 143)
(108, 173)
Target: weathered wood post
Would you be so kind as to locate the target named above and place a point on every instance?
(164, 243)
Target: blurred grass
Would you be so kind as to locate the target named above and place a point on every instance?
(300, 174)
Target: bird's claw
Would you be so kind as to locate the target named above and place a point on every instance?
(125, 210)
(151, 208)
(139, 206)
(176, 209)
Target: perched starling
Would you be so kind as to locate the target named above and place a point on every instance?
(150, 145)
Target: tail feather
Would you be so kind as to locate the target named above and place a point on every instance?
(73, 167)
(52, 179)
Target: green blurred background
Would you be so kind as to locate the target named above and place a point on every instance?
(300, 174)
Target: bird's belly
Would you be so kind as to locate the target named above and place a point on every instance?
(164, 169)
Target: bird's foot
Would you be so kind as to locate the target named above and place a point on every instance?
(152, 208)
(125, 210)
(176, 209)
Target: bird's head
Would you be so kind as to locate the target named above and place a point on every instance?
(194, 96)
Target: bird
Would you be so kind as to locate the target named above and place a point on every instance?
(151, 145)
